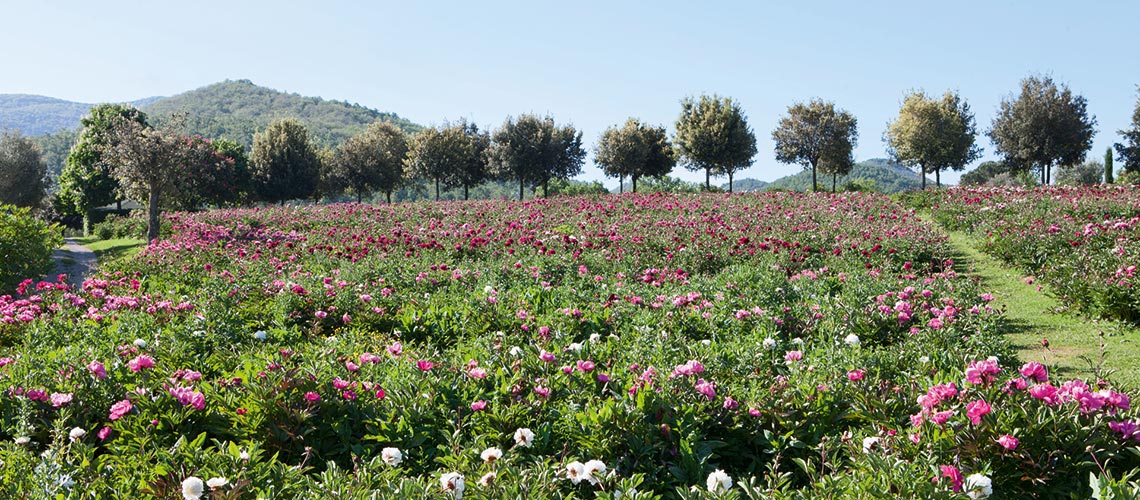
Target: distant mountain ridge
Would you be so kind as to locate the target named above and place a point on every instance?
(887, 176)
(37, 115)
(232, 109)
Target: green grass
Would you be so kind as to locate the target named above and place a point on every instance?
(1075, 342)
(107, 251)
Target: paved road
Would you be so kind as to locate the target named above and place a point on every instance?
(74, 260)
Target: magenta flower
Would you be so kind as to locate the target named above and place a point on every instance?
(395, 349)
(340, 383)
(103, 433)
(380, 394)
(793, 356)
(730, 404)
(982, 372)
(976, 410)
(312, 397)
(706, 388)
(36, 395)
(585, 366)
(59, 399)
(350, 366)
(951, 472)
(546, 356)
(349, 395)
(477, 373)
(369, 358)
(856, 375)
(97, 369)
(479, 405)
(1008, 442)
(140, 363)
(544, 392)
(188, 397)
(1035, 371)
(941, 417)
(120, 409)
(321, 314)
(1045, 393)
(602, 377)
(424, 365)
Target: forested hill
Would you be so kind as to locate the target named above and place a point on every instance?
(37, 115)
(235, 109)
(887, 177)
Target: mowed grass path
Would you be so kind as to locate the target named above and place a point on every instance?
(1075, 342)
(114, 249)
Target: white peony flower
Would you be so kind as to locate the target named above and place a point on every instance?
(524, 437)
(260, 335)
(76, 434)
(244, 455)
(23, 440)
(192, 488)
(140, 343)
(574, 347)
(575, 472)
(491, 454)
(978, 486)
(452, 482)
(798, 341)
(706, 342)
(769, 343)
(852, 340)
(216, 482)
(487, 479)
(595, 338)
(516, 351)
(594, 471)
(392, 456)
(718, 481)
(869, 443)
(488, 289)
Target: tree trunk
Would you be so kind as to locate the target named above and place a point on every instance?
(545, 187)
(938, 177)
(814, 185)
(520, 188)
(359, 197)
(834, 177)
(87, 223)
(922, 173)
(152, 215)
(437, 189)
(621, 184)
(633, 178)
(465, 187)
(389, 194)
(730, 181)
(118, 204)
(708, 171)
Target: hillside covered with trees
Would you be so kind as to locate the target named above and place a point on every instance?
(887, 178)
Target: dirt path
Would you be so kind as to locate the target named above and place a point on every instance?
(74, 260)
(1074, 341)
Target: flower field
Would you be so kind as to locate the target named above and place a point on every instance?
(1082, 241)
(774, 345)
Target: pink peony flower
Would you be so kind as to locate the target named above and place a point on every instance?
(792, 356)
(312, 397)
(424, 365)
(350, 366)
(1045, 393)
(730, 404)
(1008, 442)
(706, 388)
(477, 373)
(950, 472)
(585, 366)
(395, 349)
(368, 357)
(97, 369)
(120, 409)
(141, 362)
(479, 405)
(340, 383)
(941, 417)
(546, 356)
(856, 375)
(982, 372)
(544, 392)
(380, 394)
(103, 433)
(976, 410)
(321, 314)
(1035, 371)
(59, 399)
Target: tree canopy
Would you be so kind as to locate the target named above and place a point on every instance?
(933, 134)
(1044, 126)
(86, 182)
(284, 163)
(534, 150)
(635, 150)
(23, 171)
(450, 156)
(713, 135)
(372, 160)
(815, 134)
(1129, 150)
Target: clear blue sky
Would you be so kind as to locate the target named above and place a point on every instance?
(592, 64)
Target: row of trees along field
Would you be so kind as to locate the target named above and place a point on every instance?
(119, 153)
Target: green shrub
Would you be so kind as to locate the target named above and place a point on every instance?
(26, 244)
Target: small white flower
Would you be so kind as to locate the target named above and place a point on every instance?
(216, 482)
(524, 437)
(260, 335)
(487, 479)
(76, 434)
(23, 440)
(574, 347)
(852, 340)
(244, 455)
(575, 471)
(869, 443)
(516, 351)
(769, 343)
(192, 488)
(706, 342)
(66, 482)
(140, 343)
(594, 471)
(452, 482)
(718, 481)
(488, 289)
(798, 341)
(595, 338)
(491, 454)
(392, 456)
(924, 360)
(978, 486)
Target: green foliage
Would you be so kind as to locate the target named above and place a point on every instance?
(35, 115)
(87, 182)
(818, 137)
(635, 150)
(933, 135)
(1044, 126)
(981, 175)
(449, 156)
(372, 160)
(713, 135)
(570, 187)
(1085, 174)
(283, 163)
(1108, 168)
(1129, 150)
(55, 148)
(534, 151)
(23, 173)
(235, 109)
(26, 245)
